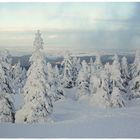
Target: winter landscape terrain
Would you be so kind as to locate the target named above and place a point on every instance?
(72, 97)
(72, 119)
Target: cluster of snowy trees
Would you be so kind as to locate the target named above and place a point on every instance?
(108, 85)
(12, 79)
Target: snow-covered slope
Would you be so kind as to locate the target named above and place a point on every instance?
(73, 119)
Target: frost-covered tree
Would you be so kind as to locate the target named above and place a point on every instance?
(50, 74)
(124, 69)
(6, 72)
(75, 69)
(107, 69)
(94, 81)
(54, 80)
(7, 111)
(102, 96)
(37, 102)
(92, 66)
(95, 74)
(125, 76)
(83, 81)
(19, 77)
(98, 64)
(57, 87)
(135, 68)
(117, 95)
(67, 71)
(135, 75)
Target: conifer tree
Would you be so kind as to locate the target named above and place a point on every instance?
(7, 110)
(37, 102)
(117, 95)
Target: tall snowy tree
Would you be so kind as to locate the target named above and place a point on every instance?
(37, 102)
(67, 72)
(6, 66)
(7, 110)
(135, 75)
(83, 81)
(75, 69)
(135, 68)
(125, 76)
(117, 98)
(124, 69)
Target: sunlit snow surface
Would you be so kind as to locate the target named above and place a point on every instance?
(73, 119)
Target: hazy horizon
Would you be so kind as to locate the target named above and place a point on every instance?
(78, 27)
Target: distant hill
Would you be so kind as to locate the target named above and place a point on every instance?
(57, 60)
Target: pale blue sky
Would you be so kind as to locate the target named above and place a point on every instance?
(73, 26)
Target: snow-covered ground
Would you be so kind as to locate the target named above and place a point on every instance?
(73, 119)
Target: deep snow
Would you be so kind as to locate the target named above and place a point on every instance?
(73, 119)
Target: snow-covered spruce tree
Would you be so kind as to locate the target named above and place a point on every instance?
(6, 66)
(135, 77)
(94, 81)
(75, 69)
(50, 74)
(82, 83)
(53, 79)
(135, 70)
(98, 64)
(7, 110)
(67, 71)
(91, 65)
(107, 69)
(117, 95)
(124, 69)
(102, 95)
(19, 77)
(37, 102)
(58, 88)
(125, 76)
(95, 74)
